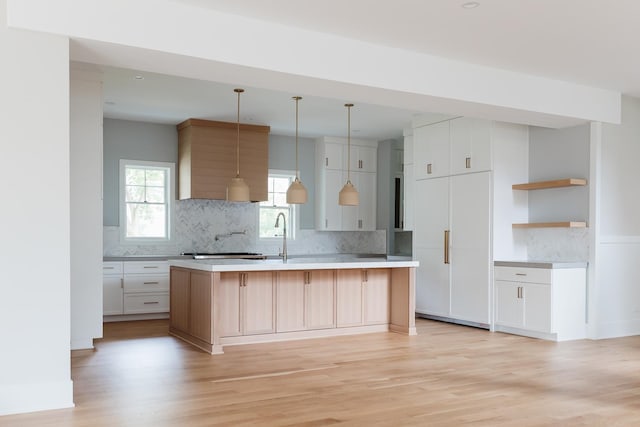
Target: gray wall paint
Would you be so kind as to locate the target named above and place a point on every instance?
(125, 139)
(556, 154)
(282, 156)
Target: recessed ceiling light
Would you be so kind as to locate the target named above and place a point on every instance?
(470, 5)
(139, 77)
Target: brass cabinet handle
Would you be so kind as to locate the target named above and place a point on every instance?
(446, 246)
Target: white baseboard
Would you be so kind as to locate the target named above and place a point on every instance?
(20, 398)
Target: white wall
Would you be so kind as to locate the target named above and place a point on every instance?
(201, 43)
(614, 291)
(34, 220)
(510, 154)
(86, 206)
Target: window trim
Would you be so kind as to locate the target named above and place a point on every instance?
(292, 232)
(170, 198)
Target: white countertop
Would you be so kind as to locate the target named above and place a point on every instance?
(321, 263)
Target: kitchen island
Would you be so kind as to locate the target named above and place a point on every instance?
(215, 303)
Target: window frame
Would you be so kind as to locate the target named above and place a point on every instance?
(293, 219)
(169, 167)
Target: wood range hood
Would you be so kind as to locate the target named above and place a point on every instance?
(207, 158)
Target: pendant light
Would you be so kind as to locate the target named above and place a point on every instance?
(297, 193)
(348, 195)
(238, 190)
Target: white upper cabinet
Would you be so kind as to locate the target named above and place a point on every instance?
(470, 145)
(333, 156)
(431, 151)
(330, 179)
(363, 158)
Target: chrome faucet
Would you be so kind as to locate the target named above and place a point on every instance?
(284, 235)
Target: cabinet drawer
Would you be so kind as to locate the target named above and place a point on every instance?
(146, 303)
(146, 267)
(112, 268)
(518, 274)
(150, 283)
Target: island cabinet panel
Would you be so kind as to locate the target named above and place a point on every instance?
(362, 297)
(349, 298)
(231, 304)
(259, 303)
(375, 295)
(180, 299)
(201, 294)
(290, 301)
(320, 299)
(248, 303)
(305, 300)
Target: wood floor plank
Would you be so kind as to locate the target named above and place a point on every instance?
(447, 375)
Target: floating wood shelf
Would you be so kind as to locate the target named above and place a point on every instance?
(560, 224)
(567, 182)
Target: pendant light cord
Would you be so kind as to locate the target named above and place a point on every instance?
(238, 91)
(297, 98)
(348, 141)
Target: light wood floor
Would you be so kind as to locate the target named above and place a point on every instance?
(447, 375)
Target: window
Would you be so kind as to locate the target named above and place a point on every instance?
(279, 182)
(145, 200)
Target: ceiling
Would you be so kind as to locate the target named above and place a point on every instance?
(589, 42)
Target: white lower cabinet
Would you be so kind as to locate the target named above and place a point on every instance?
(135, 287)
(541, 302)
(112, 288)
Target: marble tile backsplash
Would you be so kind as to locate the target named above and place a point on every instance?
(197, 222)
(558, 244)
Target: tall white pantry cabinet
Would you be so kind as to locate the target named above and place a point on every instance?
(464, 206)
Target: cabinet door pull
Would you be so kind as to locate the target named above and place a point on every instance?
(151, 302)
(151, 283)
(121, 283)
(429, 168)
(366, 276)
(108, 268)
(150, 266)
(326, 161)
(521, 274)
(446, 246)
(326, 223)
(359, 223)
(467, 162)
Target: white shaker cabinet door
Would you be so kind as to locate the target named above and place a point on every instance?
(431, 151)
(112, 295)
(432, 276)
(470, 239)
(470, 145)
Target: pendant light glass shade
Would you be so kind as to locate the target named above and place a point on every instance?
(297, 193)
(237, 189)
(348, 195)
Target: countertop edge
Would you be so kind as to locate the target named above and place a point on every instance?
(542, 264)
(275, 265)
